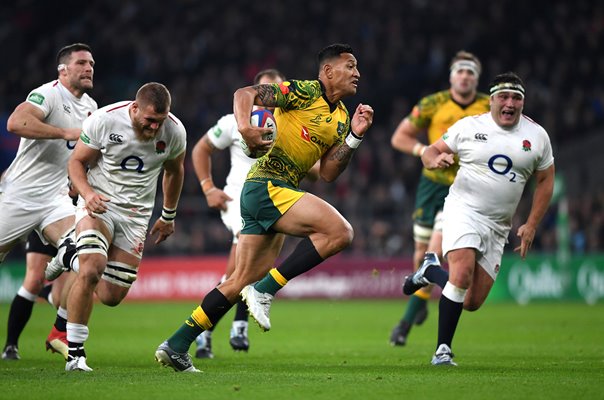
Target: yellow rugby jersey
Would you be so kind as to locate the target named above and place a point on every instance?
(307, 126)
(436, 113)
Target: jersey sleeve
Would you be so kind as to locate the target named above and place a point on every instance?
(220, 135)
(44, 98)
(179, 144)
(91, 134)
(296, 95)
(547, 158)
(452, 136)
(422, 113)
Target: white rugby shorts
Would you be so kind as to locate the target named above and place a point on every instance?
(128, 231)
(462, 229)
(19, 218)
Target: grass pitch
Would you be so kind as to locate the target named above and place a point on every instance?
(323, 350)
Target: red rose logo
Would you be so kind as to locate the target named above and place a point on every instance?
(160, 147)
(526, 145)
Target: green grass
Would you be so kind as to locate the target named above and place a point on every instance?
(324, 350)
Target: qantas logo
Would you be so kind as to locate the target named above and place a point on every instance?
(304, 134)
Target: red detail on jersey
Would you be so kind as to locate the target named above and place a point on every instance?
(415, 112)
(284, 87)
(160, 147)
(304, 134)
(118, 107)
(172, 118)
(526, 145)
(55, 84)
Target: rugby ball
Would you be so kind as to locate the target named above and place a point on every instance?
(265, 119)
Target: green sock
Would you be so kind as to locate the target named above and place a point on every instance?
(181, 340)
(268, 284)
(415, 304)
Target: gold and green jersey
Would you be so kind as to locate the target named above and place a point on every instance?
(307, 126)
(436, 113)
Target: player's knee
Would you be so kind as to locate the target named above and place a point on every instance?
(344, 236)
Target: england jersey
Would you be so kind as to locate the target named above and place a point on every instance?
(128, 168)
(495, 164)
(39, 170)
(225, 135)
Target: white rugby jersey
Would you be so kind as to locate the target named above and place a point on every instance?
(39, 170)
(495, 164)
(128, 168)
(225, 135)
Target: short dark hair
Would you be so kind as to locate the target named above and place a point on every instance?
(64, 54)
(332, 51)
(509, 78)
(155, 94)
(270, 72)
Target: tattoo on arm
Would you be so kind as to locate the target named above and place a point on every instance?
(342, 155)
(266, 95)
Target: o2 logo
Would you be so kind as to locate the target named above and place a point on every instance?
(71, 144)
(501, 165)
(133, 163)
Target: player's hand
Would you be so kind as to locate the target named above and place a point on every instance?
(362, 119)
(217, 199)
(163, 230)
(441, 161)
(526, 233)
(253, 138)
(71, 133)
(95, 203)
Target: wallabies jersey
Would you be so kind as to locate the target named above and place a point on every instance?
(307, 126)
(39, 170)
(128, 168)
(436, 113)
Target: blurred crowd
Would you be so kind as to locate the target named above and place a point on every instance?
(204, 51)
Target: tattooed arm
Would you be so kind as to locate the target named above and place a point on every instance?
(337, 158)
(243, 101)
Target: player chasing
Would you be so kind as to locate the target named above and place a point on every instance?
(33, 191)
(126, 145)
(498, 152)
(313, 123)
(434, 114)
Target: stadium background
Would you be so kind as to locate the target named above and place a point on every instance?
(203, 51)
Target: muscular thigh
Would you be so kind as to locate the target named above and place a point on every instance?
(309, 215)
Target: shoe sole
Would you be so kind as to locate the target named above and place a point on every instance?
(57, 346)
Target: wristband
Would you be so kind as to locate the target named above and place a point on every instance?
(168, 215)
(352, 140)
(203, 185)
(419, 149)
